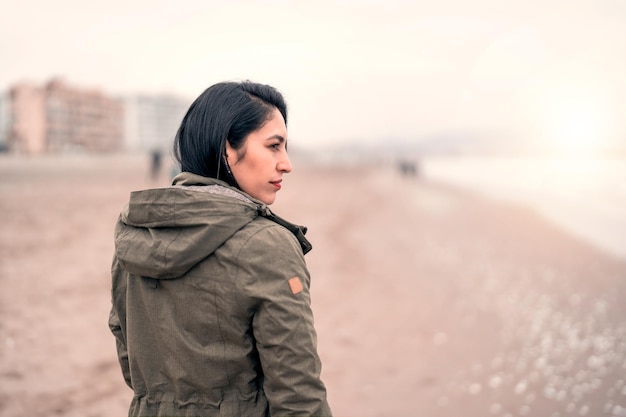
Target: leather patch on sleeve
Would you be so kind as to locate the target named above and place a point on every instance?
(296, 285)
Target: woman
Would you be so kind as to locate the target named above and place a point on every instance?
(211, 308)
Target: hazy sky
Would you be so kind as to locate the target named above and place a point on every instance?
(355, 70)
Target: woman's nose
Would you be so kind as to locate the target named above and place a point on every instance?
(284, 164)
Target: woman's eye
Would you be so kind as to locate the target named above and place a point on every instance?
(275, 146)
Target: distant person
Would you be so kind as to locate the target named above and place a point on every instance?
(155, 164)
(211, 304)
(408, 168)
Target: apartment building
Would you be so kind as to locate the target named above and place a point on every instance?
(152, 121)
(59, 118)
(5, 120)
(28, 125)
(82, 119)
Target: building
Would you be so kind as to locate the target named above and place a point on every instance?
(5, 120)
(82, 119)
(59, 118)
(152, 121)
(28, 120)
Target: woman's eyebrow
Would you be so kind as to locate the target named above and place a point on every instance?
(279, 137)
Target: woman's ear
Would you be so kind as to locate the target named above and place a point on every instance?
(229, 158)
(229, 154)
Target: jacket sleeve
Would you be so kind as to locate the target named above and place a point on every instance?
(274, 276)
(116, 327)
(122, 353)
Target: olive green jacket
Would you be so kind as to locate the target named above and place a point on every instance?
(211, 307)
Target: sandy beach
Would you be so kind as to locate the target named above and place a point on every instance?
(428, 299)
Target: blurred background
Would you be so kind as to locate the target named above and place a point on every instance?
(487, 138)
(489, 75)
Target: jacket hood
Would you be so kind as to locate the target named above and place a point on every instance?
(163, 233)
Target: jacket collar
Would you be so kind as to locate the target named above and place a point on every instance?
(189, 179)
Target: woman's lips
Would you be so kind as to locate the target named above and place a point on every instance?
(277, 184)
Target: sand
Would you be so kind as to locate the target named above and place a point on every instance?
(428, 300)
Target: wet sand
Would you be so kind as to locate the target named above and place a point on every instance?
(428, 300)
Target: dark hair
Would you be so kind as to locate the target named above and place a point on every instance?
(225, 111)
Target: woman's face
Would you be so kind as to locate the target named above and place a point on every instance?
(259, 165)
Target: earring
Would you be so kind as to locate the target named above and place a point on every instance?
(227, 165)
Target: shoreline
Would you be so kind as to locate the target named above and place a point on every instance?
(582, 196)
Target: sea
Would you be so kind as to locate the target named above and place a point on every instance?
(586, 197)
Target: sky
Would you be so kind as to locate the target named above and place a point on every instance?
(351, 71)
